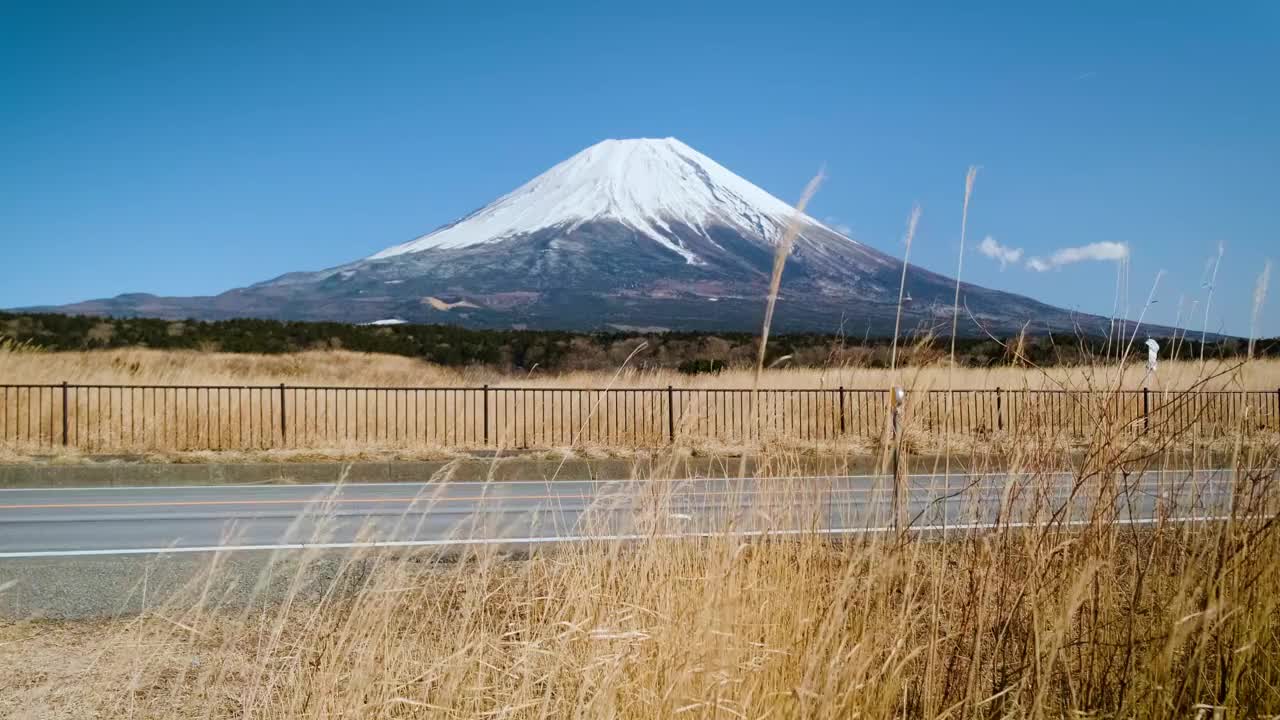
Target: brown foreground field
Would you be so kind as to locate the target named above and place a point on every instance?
(1040, 614)
(337, 368)
(1067, 617)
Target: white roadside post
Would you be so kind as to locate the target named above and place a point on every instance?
(1153, 360)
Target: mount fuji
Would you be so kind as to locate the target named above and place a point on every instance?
(641, 234)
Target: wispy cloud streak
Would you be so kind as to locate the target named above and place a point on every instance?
(1002, 254)
(1103, 251)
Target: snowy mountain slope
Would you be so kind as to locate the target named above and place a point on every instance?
(626, 233)
(647, 185)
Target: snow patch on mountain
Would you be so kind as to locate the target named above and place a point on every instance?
(647, 185)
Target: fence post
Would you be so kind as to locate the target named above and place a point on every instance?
(671, 415)
(1146, 417)
(64, 412)
(485, 401)
(999, 410)
(284, 421)
(842, 410)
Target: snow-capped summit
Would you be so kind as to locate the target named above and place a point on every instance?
(648, 185)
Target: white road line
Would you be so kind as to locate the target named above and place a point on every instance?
(460, 483)
(600, 481)
(545, 540)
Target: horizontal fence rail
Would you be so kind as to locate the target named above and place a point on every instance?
(131, 418)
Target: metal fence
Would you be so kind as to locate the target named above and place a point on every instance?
(124, 418)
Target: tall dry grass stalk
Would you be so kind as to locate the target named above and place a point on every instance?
(780, 255)
(970, 178)
(1213, 283)
(1128, 344)
(1259, 298)
(912, 222)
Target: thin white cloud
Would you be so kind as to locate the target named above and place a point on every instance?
(1001, 253)
(1105, 251)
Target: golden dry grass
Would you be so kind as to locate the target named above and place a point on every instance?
(1045, 619)
(1103, 620)
(705, 419)
(162, 367)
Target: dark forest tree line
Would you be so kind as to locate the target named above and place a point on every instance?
(553, 350)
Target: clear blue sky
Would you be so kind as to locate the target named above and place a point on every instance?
(187, 148)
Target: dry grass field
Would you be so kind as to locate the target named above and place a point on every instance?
(1095, 619)
(608, 412)
(1057, 617)
(337, 368)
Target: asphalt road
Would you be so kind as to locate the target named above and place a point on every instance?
(69, 522)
